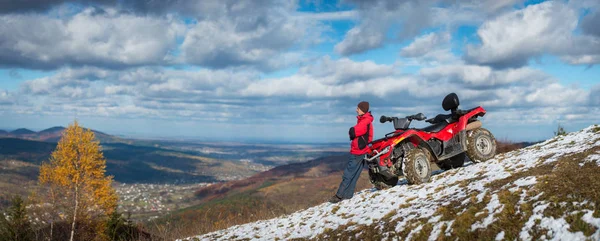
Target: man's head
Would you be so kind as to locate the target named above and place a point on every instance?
(362, 108)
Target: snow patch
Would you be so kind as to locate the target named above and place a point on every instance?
(592, 158)
(421, 202)
(559, 229)
(500, 236)
(537, 215)
(525, 181)
(494, 207)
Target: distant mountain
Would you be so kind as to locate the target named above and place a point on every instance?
(138, 164)
(22, 131)
(52, 130)
(3, 132)
(54, 134)
(106, 138)
(51, 134)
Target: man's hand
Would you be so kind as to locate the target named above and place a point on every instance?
(352, 133)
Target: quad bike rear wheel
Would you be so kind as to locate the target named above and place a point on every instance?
(380, 182)
(453, 162)
(416, 166)
(481, 145)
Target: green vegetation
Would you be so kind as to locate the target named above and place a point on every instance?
(16, 225)
(560, 131)
(119, 228)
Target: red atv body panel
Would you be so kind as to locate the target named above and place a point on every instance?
(416, 136)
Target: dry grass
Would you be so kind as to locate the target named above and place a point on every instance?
(565, 184)
(503, 146)
(250, 200)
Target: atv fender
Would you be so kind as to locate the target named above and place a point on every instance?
(473, 125)
(417, 142)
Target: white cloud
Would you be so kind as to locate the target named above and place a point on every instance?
(329, 16)
(233, 96)
(260, 37)
(595, 96)
(557, 95)
(377, 18)
(310, 87)
(360, 39)
(47, 85)
(216, 34)
(6, 98)
(424, 44)
(590, 24)
(140, 64)
(345, 70)
(108, 39)
(584, 59)
(431, 49)
(513, 38)
(475, 76)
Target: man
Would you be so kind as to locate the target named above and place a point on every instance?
(360, 135)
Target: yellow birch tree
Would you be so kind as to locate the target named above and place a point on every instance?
(76, 172)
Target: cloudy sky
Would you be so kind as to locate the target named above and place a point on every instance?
(294, 71)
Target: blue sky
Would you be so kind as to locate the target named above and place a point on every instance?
(295, 70)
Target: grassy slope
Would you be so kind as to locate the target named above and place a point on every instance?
(546, 191)
(282, 190)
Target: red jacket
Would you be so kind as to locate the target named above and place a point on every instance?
(361, 134)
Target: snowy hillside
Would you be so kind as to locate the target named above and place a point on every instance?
(546, 191)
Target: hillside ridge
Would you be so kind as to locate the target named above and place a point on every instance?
(54, 134)
(550, 190)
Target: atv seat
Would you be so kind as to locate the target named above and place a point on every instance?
(441, 118)
(435, 127)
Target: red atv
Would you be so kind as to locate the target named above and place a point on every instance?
(409, 151)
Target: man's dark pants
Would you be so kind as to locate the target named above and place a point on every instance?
(351, 173)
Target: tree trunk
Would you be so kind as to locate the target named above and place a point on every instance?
(52, 211)
(74, 214)
(51, 228)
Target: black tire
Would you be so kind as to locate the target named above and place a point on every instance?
(416, 166)
(481, 145)
(453, 162)
(380, 182)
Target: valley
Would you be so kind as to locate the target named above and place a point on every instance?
(152, 177)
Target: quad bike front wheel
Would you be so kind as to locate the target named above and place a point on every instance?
(416, 166)
(481, 145)
(380, 182)
(453, 162)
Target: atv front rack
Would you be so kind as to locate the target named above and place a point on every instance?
(384, 151)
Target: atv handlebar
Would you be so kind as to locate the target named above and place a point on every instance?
(418, 117)
(385, 119)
